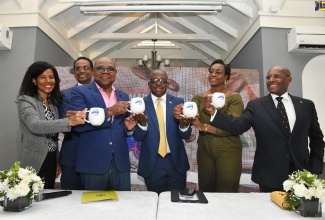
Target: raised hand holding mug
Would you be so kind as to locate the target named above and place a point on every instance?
(218, 99)
(137, 105)
(96, 116)
(189, 109)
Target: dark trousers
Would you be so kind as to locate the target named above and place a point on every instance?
(111, 180)
(164, 176)
(48, 170)
(70, 179)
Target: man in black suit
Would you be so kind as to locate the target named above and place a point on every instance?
(70, 179)
(279, 152)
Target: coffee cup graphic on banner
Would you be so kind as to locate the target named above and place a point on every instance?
(96, 116)
(189, 109)
(137, 105)
(218, 99)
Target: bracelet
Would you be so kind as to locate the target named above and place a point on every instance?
(206, 128)
(69, 121)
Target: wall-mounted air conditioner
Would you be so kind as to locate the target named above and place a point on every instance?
(5, 37)
(307, 39)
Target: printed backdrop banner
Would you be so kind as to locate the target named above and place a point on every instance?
(184, 82)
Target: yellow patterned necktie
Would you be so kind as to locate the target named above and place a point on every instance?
(162, 143)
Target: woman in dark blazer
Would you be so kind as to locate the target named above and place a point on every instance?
(37, 102)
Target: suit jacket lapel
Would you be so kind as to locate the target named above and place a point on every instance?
(298, 106)
(96, 94)
(269, 106)
(169, 109)
(119, 96)
(151, 111)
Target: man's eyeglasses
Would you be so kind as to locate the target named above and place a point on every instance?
(156, 81)
(102, 69)
(79, 68)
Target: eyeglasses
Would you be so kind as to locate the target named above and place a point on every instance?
(79, 68)
(102, 69)
(275, 76)
(156, 81)
(216, 72)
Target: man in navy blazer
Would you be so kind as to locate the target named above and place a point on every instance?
(278, 152)
(70, 179)
(103, 156)
(161, 173)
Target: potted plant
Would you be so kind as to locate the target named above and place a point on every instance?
(18, 186)
(305, 191)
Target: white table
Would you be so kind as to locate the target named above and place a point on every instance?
(250, 206)
(137, 205)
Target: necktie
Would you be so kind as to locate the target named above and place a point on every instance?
(281, 109)
(162, 150)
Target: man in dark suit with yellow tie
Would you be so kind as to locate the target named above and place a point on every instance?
(163, 160)
(279, 151)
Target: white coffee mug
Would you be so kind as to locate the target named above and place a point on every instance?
(218, 99)
(189, 109)
(137, 105)
(96, 116)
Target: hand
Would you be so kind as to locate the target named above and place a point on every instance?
(118, 108)
(197, 123)
(58, 171)
(201, 127)
(208, 108)
(186, 121)
(78, 118)
(141, 118)
(178, 110)
(130, 123)
(70, 113)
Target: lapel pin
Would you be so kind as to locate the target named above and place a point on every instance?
(301, 102)
(170, 102)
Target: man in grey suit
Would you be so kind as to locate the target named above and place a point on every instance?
(279, 152)
(70, 179)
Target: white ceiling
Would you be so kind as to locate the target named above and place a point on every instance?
(198, 36)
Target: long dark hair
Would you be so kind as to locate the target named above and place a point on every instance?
(227, 67)
(28, 88)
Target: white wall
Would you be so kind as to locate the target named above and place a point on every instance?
(313, 79)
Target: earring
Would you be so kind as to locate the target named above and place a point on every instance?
(225, 81)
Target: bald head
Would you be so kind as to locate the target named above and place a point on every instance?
(105, 59)
(278, 79)
(282, 69)
(158, 71)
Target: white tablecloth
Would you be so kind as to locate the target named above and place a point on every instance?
(250, 206)
(137, 205)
